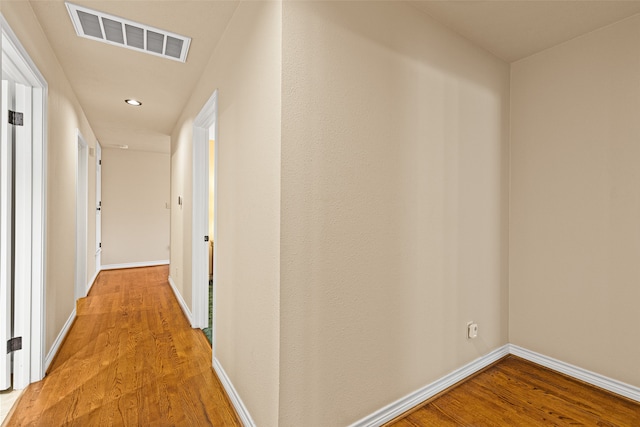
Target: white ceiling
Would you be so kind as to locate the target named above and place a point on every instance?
(514, 29)
(102, 76)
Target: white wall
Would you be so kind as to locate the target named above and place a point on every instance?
(246, 70)
(135, 216)
(575, 202)
(394, 206)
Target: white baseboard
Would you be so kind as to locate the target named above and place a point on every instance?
(402, 405)
(576, 372)
(414, 399)
(181, 301)
(91, 282)
(59, 339)
(233, 395)
(135, 264)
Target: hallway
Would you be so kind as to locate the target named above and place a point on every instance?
(131, 358)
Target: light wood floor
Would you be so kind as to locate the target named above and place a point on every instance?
(132, 359)
(515, 392)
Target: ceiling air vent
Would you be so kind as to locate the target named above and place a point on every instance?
(116, 31)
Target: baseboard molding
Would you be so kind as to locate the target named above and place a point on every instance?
(91, 282)
(59, 340)
(414, 399)
(181, 301)
(233, 395)
(135, 264)
(402, 405)
(614, 386)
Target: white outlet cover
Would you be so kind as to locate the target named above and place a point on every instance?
(472, 330)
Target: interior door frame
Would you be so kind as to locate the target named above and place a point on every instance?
(82, 197)
(6, 229)
(207, 117)
(98, 207)
(30, 300)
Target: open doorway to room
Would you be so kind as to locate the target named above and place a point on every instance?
(204, 250)
(208, 331)
(98, 207)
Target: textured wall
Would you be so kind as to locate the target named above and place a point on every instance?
(135, 219)
(394, 206)
(246, 70)
(575, 202)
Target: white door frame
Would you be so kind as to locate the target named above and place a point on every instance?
(30, 259)
(82, 197)
(6, 230)
(200, 248)
(98, 207)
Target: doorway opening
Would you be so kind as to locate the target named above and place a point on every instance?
(22, 206)
(204, 231)
(208, 330)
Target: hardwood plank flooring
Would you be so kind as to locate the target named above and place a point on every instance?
(515, 392)
(130, 359)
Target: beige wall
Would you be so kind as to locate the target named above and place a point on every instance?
(246, 69)
(64, 116)
(575, 202)
(394, 206)
(135, 217)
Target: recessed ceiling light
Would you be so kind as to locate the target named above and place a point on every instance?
(133, 102)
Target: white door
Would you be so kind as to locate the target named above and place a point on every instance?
(22, 195)
(98, 206)
(6, 259)
(22, 235)
(15, 235)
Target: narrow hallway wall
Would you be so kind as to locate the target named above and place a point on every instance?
(246, 70)
(64, 117)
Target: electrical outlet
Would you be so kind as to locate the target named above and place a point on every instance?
(472, 330)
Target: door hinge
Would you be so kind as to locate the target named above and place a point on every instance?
(14, 344)
(15, 118)
(206, 238)
(100, 162)
(100, 245)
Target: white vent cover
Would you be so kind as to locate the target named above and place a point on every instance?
(116, 31)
